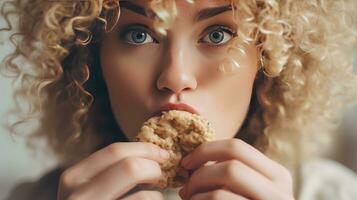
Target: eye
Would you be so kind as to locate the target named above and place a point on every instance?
(218, 35)
(136, 36)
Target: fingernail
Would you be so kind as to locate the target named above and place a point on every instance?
(182, 192)
(164, 154)
(186, 160)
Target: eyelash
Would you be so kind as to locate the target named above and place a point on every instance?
(135, 28)
(123, 35)
(219, 28)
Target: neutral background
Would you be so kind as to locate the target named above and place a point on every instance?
(17, 165)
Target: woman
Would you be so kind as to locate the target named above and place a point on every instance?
(271, 77)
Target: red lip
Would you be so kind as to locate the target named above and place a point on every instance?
(180, 106)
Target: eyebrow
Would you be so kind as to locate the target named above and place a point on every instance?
(202, 14)
(210, 12)
(137, 9)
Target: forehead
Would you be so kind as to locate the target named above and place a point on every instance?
(198, 10)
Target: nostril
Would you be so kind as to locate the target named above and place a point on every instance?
(176, 80)
(165, 89)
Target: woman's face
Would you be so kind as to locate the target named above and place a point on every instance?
(144, 70)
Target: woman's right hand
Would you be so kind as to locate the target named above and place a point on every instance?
(112, 171)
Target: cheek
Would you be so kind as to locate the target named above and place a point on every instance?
(126, 71)
(128, 76)
(239, 96)
(120, 80)
(243, 79)
(242, 82)
(231, 95)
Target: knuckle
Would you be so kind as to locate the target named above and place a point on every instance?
(232, 167)
(66, 179)
(235, 144)
(285, 174)
(132, 166)
(115, 149)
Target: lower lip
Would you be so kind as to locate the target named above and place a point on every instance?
(179, 107)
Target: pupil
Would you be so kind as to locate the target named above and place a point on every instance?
(139, 37)
(216, 36)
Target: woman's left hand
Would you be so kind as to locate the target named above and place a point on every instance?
(241, 172)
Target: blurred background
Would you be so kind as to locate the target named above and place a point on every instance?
(16, 162)
(18, 165)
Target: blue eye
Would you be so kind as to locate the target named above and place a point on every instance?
(137, 35)
(216, 36)
(219, 36)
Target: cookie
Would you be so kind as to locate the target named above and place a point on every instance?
(179, 132)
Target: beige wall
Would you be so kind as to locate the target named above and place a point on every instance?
(16, 164)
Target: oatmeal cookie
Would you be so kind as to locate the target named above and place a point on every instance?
(179, 132)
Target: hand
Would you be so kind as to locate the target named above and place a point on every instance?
(112, 171)
(241, 172)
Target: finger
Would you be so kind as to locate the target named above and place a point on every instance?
(234, 175)
(154, 195)
(231, 149)
(119, 179)
(218, 195)
(98, 161)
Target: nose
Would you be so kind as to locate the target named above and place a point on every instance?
(177, 74)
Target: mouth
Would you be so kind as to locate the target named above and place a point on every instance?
(180, 106)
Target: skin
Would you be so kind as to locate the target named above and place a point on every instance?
(179, 67)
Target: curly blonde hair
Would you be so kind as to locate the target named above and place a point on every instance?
(305, 79)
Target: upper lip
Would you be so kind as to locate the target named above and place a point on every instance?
(177, 106)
